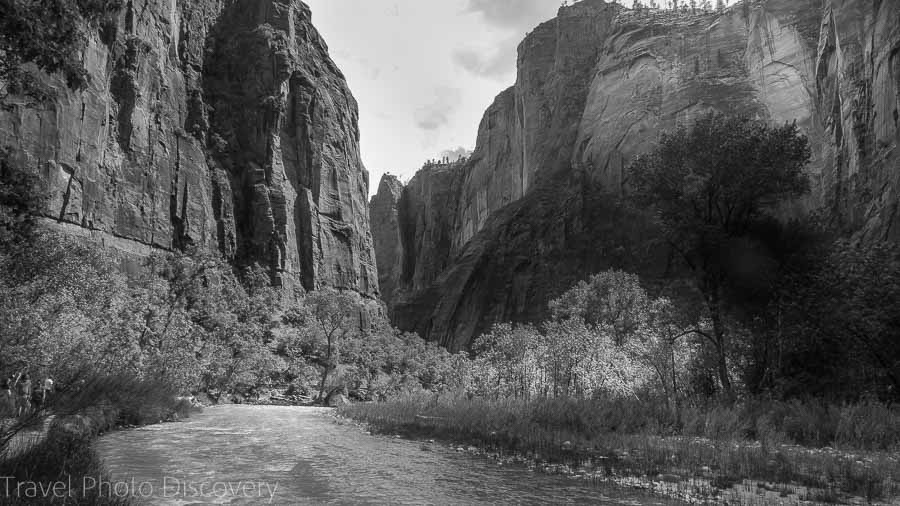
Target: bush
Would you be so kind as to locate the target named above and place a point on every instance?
(62, 453)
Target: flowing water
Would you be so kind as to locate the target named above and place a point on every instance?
(288, 455)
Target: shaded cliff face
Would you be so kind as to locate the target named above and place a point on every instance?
(218, 124)
(533, 207)
(388, 243)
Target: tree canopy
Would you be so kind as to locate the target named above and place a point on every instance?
(709, 185)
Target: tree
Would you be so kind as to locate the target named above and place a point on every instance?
(511, 352)
(48, 34)
(629, 334)
(708, 186)
(612, 298)
(334, 317)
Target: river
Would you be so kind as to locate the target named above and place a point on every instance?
(287, 455)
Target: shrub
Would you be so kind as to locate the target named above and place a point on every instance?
(61, 453)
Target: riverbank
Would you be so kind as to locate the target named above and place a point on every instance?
(617, 443)
(50, 456)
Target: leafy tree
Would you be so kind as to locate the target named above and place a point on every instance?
(612, 298)
(332, 317)
(509, 355)
(629, 333)
(709, 185)
(49, 34)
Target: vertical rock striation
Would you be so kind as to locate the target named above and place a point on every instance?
(218, 124)
(533, 208)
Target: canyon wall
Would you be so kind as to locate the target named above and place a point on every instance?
(534, 208)
(220, 124)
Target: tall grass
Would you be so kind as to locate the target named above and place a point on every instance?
(724, 444)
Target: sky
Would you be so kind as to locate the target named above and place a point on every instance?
(424, 71)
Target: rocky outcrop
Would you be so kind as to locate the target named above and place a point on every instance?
(218, 124)
(383, 210)
(533, 208)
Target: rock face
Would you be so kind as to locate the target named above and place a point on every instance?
(383, 210)
(220, 124)
(533, 208)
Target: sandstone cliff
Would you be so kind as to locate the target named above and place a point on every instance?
(221, 124)
(533, 209)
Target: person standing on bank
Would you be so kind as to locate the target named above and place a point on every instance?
(46, 390)
(7, 400)
(25, 393)
(13, 398)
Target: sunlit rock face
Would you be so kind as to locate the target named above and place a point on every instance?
(531, 211)
(223, 125)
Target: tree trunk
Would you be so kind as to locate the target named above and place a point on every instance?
(723, 375)
(322, 385)
(327, 368)
(715, 312)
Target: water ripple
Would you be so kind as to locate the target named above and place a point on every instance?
(231, 454)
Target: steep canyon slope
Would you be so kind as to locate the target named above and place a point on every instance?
(534, 209)
(222, 124)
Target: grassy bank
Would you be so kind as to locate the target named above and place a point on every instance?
(835, 451)
(55, 448)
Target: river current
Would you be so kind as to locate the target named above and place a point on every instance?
(294, 456)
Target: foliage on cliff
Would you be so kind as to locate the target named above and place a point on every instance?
(48, 34)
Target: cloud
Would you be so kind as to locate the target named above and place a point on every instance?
(520, 15)
(455, 153)
(512, 19)
(496, 63)
(436, 114)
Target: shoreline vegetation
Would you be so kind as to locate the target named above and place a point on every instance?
(54, 445)
(753, 453)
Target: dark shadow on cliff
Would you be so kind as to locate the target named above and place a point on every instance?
(529, 252)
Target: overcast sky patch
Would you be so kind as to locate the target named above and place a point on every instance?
(497, 63)
(519, 15)
(437, 113)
